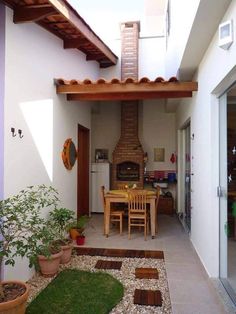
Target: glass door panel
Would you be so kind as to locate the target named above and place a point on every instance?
(187, 215)
(228, 191)
(184, 206)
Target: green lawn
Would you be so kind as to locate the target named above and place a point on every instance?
(74, 292)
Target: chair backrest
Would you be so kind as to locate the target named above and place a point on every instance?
(137, 200)
(158, 192)
(103, 196)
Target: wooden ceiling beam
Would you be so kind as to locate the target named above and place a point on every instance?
(127, 96)
(74, 18)
(74, 43)
(90, 57)
(125, 88)
(32, 14)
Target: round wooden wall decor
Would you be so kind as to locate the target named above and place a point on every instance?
(69, 154)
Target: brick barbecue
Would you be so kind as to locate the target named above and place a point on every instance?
(128, 155)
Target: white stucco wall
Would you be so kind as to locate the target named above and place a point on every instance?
(151, 58)
(156, 129)
(106, 119)
(182, 13)
(203, 111)
(34, 57)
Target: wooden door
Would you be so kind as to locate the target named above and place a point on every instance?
(83, 171)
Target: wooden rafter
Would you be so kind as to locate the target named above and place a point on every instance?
(62, 20)
(32, 14)
(74, 43)
(128, 96)
(85, 31)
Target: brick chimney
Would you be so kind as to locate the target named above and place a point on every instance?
(128, 165)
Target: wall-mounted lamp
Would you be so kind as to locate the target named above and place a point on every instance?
(20, 133)
(13, 132)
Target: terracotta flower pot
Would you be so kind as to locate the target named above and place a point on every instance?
(66, 253)
(18, 305)
(74, 233)
(80, 240)
(49, 266)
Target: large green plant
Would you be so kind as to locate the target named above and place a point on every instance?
(22, 228)
(60, 219)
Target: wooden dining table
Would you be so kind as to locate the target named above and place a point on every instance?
(121, 196)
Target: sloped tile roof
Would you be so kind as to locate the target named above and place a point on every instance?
(128, 89)
(59, 18)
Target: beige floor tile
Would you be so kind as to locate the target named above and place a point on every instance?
(190, 288)
(197, 308)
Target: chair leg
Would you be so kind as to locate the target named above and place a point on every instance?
(129, 228)
(145, 230)
(121, 222)
(148, 226)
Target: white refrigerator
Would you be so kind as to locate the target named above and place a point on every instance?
(100, 174)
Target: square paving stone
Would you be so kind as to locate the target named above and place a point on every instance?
(101, 264)
(148, 297)
(146, 273)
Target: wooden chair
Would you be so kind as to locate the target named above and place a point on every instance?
(158, 192)
(115, 215)
(137, 206)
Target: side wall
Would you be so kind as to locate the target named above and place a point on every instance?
(2, 75)
(180, 27)
(203, 111)
(34, 58)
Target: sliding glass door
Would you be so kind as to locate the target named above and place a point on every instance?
(184, 206)
(227, 191)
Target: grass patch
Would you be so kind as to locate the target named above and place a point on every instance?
(78, 292)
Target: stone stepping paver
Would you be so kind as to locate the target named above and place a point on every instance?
(148, 297)
(146, 273)
(141, 297)
(102, 264)
(119, 253)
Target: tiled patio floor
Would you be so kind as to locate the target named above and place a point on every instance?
(191, 290)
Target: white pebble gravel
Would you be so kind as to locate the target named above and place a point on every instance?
(126, 276)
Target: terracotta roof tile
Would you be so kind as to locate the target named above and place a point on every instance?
(129, 80)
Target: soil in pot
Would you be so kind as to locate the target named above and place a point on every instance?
(16, 295)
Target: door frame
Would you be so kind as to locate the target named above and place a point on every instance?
(83, 165)
(223, 195)
(182, 170)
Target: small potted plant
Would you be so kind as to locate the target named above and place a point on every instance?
(21, 229)
(76, 228)
(80, 240)
(60, 218)
(49, 252)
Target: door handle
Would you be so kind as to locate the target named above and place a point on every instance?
(219, 191)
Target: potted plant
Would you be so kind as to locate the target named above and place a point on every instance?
(21, 228)
(60, 218)
(49, 252)
(80, 240)
(76, 227)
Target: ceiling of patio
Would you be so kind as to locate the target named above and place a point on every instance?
(128, 89)
(59, 18)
